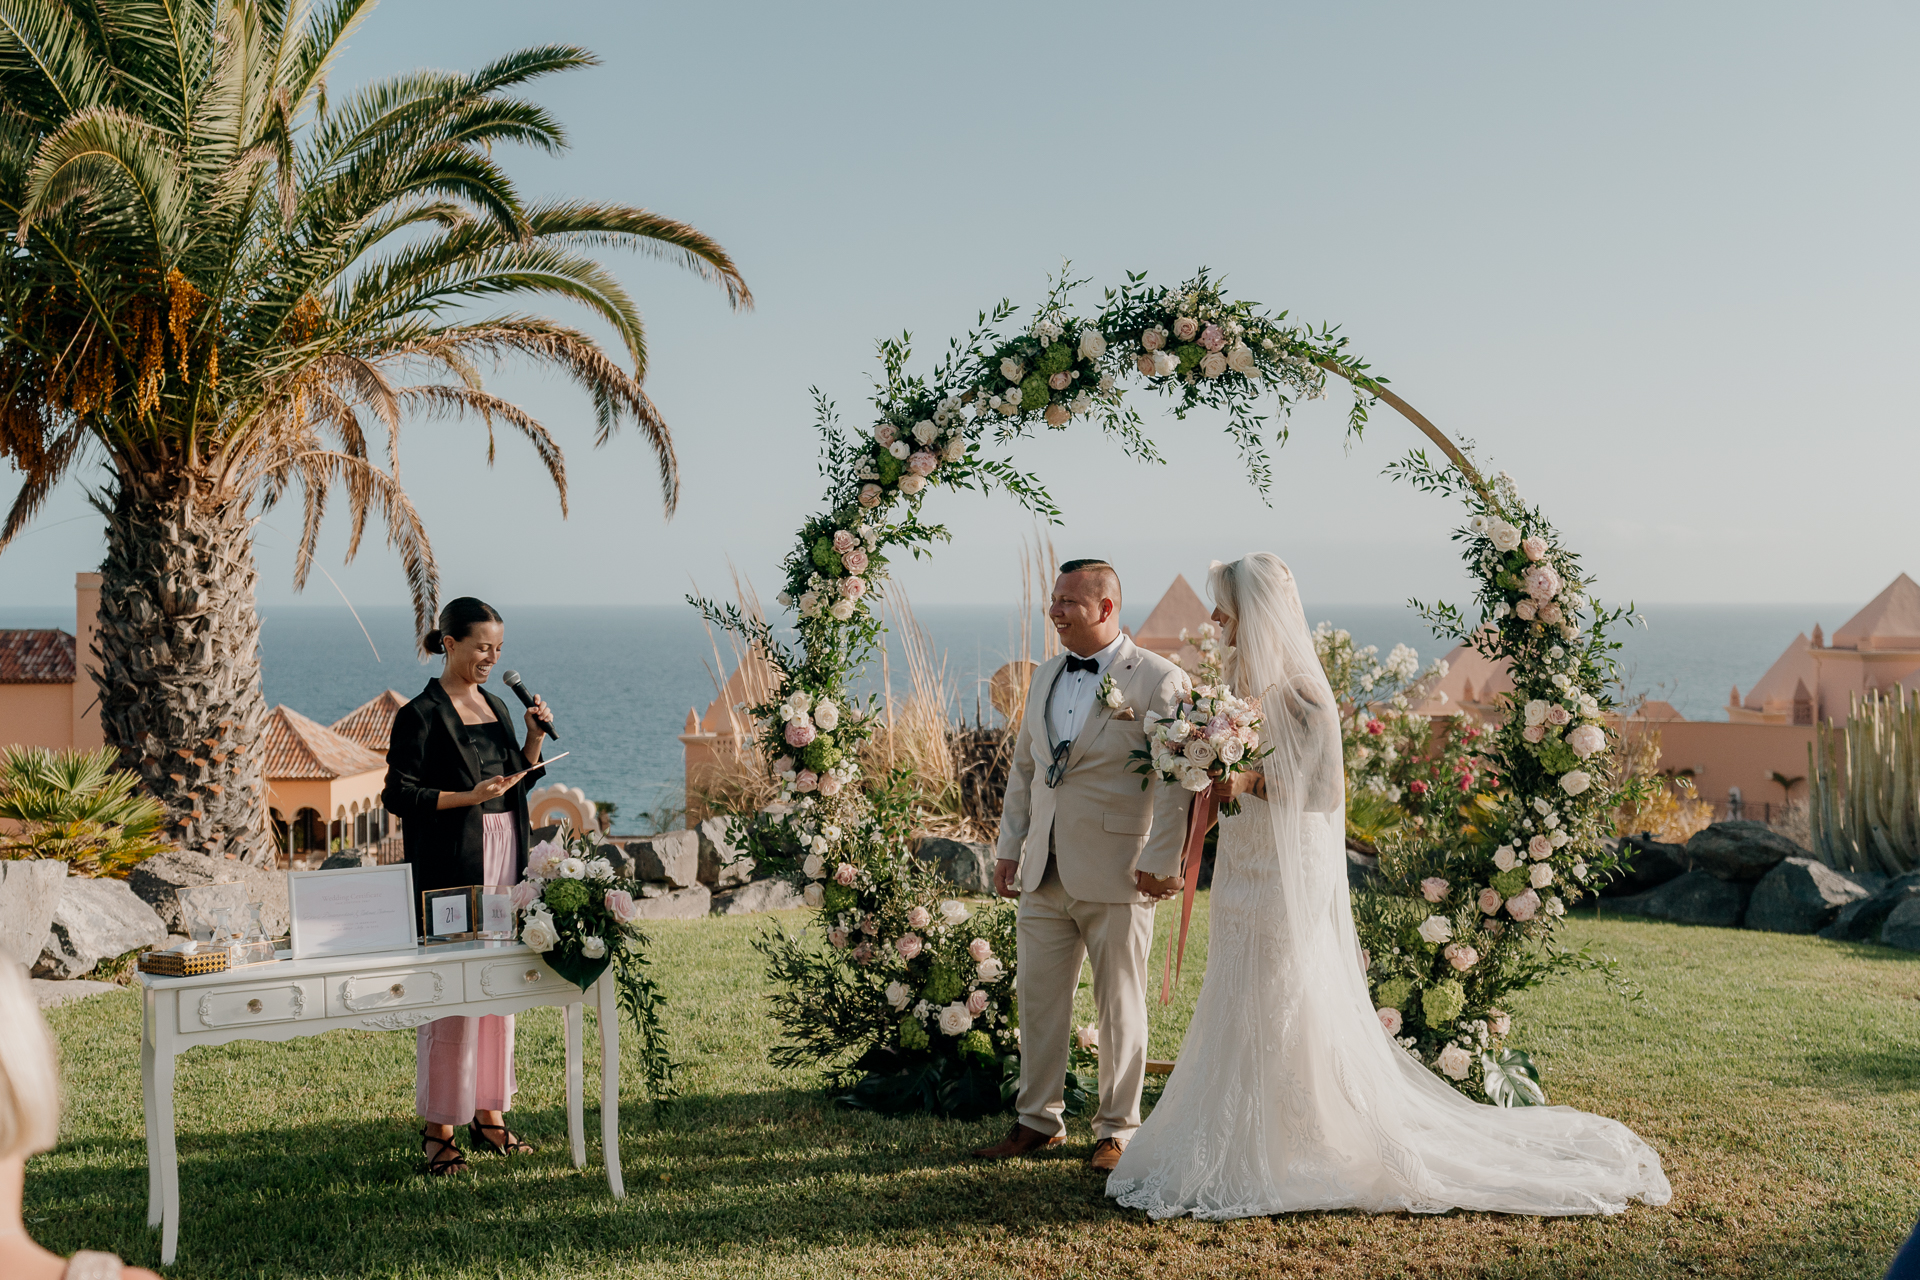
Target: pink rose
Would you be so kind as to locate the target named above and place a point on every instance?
(1144, 363)
(1212, 338)
(908, 945)
(1495, 927)
(1152, 340)
(871, 926)
(1539, 846)
(1433, 888)
(846, 873)
(524, 894)
(783, 765)
(1550, 613)
(1489, 901)
(870, 495)
(844, 541)
(853, 588)
(1524, 611)
(863, 953)
(1535, 547)
(799, 733)
(886, 433)
(1185, 327)
(838, 937)
(1375, 728)
(621, 904)
(829, 785)
(1524, 907)
(1541, 582)
(1587, 740)
(1389, 1019)
(1558, 715)
(1461, 956)
(1060, 381)
(979, 949)
(1088, 1036)
(855, 560)
(918, 918)
(922, 463)
(976, 1002)
(1534, 732)
(1499, 1022)
(806, 779)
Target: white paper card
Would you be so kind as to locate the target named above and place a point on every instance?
(351, 910)
(496, 913)
(450, 914)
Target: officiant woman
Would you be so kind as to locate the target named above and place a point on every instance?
(458, 779)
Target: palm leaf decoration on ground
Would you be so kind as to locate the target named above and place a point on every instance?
(222, 284)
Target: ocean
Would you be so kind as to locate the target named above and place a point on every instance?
(621, 679)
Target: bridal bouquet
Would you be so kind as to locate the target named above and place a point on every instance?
(581, 915)
(1213, 736)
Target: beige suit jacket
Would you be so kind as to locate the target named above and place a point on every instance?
(1103, 826)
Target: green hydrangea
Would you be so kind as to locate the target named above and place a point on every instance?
(912, 1034)
(566, 895)
(839, 897)
(1034, 393)
(1513, 883)
(1190, 356)
(1441, 1003)
(825, 557)
(1057, 358)
(821, 754)
(1393, 992)
(889, 467)
(944, 984)
(977, 1042)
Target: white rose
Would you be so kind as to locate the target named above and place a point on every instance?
(1231, 750)
(820, 845)
(826, 716)
(1536, 712)
(1240, 358)
(990, 969)
(1164, 363)
(900, 449)
(1012, 370)
(954, 1018)
(1436, 929)
(953, 911)
(813, 868)
(911, 484)
(1106, 382)
(1081, 405)
(1580, 871)
(1503, 857)
(841, 609)
(1200, 752)
(1541, 876)
(898, 993)
(1505, 537)
(1576, 781)
(1454, 1062)
(1195, 778)
(538, 932)
(813, 895)
(598, 868)
(1177, 729)
(1557, 838)
(593, 948)
(1163, 763)
(1092, 344)
(925, 432)
(956, 449)
(1213, 364)
(809, 603)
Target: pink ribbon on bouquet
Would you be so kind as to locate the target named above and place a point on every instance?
(1201, 812)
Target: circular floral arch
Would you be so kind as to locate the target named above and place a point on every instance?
(912, 990)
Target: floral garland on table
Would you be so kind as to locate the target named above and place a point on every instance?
(581, 916)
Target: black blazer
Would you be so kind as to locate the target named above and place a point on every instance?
(428, 754)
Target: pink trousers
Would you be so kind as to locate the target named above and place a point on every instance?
(464, 1065)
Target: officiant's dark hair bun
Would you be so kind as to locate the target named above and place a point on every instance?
(457, 622)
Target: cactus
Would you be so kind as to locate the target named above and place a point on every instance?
(1866, 782)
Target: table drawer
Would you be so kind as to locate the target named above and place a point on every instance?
(493, 979)
(387, 990)
(248, 1004)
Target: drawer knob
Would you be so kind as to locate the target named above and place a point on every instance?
(533, 975)
(397, 990)
(254, 1005)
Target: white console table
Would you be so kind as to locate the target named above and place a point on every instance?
(382, 991)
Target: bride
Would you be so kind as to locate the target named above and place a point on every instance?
(1288, 1095)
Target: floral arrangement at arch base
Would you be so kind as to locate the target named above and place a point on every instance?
(582, 917)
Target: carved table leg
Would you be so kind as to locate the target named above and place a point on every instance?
(610, 1085)
(574, 1014)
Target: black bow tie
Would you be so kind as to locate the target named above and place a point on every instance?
(1089, 665)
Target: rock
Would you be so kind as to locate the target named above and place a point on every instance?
(672, 856)
(677, 904)
(345, 859)
(537, 834)
(1902, 928)
(1801, 896)
(616, 852)
(30, 891)
(1646, 864)
(722, 863)
(1698, 897)
(158, 880)
(52, 993)
(1741, 851)
(1861, 919)
(1363, 870)
(761, 895)
(96, 920)
(967, 864)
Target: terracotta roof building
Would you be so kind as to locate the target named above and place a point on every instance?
(36, 657)
(1814, 680)
(47, 694)
(1181, 607)
(371, 723)
(323, 786)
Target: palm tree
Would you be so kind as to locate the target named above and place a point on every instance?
(222, 283)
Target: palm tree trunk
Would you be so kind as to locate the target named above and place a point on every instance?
(179, 663)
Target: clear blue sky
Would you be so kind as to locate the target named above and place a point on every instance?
(1658, 260)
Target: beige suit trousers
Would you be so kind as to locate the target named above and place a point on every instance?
(1056, 931)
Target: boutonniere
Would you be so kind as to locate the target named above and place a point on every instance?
(1110, 697)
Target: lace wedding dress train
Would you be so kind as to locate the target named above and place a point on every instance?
(1289, 1095)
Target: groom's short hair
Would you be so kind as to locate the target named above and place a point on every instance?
(1104, 574)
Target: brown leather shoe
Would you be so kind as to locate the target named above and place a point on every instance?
(1106, 1154)
(1020, 1141)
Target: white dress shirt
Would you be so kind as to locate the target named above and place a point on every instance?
(1071, 704)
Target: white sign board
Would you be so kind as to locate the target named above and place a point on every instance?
(351, 910)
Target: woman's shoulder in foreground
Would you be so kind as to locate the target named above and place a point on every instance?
(86, 1265)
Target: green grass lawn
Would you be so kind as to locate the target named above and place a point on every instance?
(1779, 1077)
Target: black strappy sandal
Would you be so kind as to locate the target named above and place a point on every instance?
(449, 1159)
(513, 1146)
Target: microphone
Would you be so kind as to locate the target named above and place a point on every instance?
(513, 682)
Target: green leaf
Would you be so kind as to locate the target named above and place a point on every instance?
(1512, 1080)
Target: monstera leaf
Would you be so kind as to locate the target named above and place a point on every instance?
(1512, 1080)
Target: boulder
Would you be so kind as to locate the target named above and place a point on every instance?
(1861, 919)
(1741, 851)
(761, 895)
(1902, 928)
(51, 994)
(1801, 896)
(965, 863)
(158, 879)
(347, 858)
(96, 920)
(672, 856)
(722, 863)
(677, 904)
(1363, 870)
(1697, 897)
(30, 891)
(1645, 863)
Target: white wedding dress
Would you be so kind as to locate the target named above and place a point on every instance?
(1289, 1095)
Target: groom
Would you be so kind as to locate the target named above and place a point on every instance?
(1088, 853)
